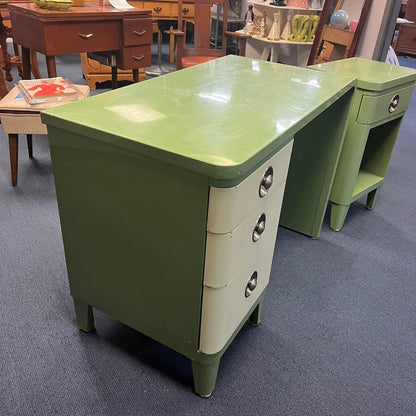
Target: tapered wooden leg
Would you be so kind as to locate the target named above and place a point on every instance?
(84, 315)
(13, 150)
(371, 198)
(29, 145)
(205, 377)
(338, 215)
(255, 318)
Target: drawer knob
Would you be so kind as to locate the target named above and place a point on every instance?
(251, 285)
(259, 228)
(266, 182)
(394, 103)
(141, 33)
(83, 36)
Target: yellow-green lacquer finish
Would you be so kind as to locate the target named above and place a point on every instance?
(133, 170)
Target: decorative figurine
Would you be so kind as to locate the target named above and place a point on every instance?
(287, 29)
(300, 28)
(278, 3)
(274, 33)
(262, 33)
(249, 17)
(315, 4)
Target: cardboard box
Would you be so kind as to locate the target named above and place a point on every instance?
(19, 117)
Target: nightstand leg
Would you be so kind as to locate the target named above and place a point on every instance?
(29, 145)
(338, 215)
(205, 377)
(371, 198)
(255, 318)
(84, 316)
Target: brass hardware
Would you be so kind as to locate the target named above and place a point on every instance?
(185, 10)
(394, 103)
(266, 182)
(81, 35)
(157, 9)
(259, 227)
(251, 285)
(139, 33)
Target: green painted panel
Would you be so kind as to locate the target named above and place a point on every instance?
(372, 75)
(220, 119)
(134, 236)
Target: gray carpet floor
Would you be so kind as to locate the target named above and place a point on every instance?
(338, 331)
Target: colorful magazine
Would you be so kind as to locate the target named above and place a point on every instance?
(37, 91)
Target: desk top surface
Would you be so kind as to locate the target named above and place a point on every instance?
(220, 118)
(371, 75)
(88, 11)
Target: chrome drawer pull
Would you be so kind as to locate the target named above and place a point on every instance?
(81, 35)
(138, 58)
(266, 182)
(139, 33)
(259, 228)
(157, 9)
(394, 103)
(251, 285)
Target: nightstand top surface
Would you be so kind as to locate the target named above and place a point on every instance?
(371, 75)
(220, 118)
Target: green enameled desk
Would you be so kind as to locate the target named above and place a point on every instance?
(169, 194)
(379, 104)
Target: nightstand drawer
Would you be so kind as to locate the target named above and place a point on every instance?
(137, 32)
(224, 308)
(375, 108)
(226, 254)
(134, 57)
(230, 206)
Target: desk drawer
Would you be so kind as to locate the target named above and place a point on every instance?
(228, 207)
(224, 308)
(134, 57)
(226, 254)
(158, 9)
(375, 108)
(188, 10)
(137, 32)
(83, 36)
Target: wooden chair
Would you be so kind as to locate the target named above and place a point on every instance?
(203, 49)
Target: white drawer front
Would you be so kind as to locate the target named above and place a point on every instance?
(224, 308)
(226, 254)
(229, 207)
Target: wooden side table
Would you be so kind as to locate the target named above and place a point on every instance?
(19, 117)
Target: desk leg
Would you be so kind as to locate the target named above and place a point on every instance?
(26, 63)
(13, 150)
(50, 64)
(135, 75)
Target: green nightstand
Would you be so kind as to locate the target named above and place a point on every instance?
(380, 101)
(169, 194)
